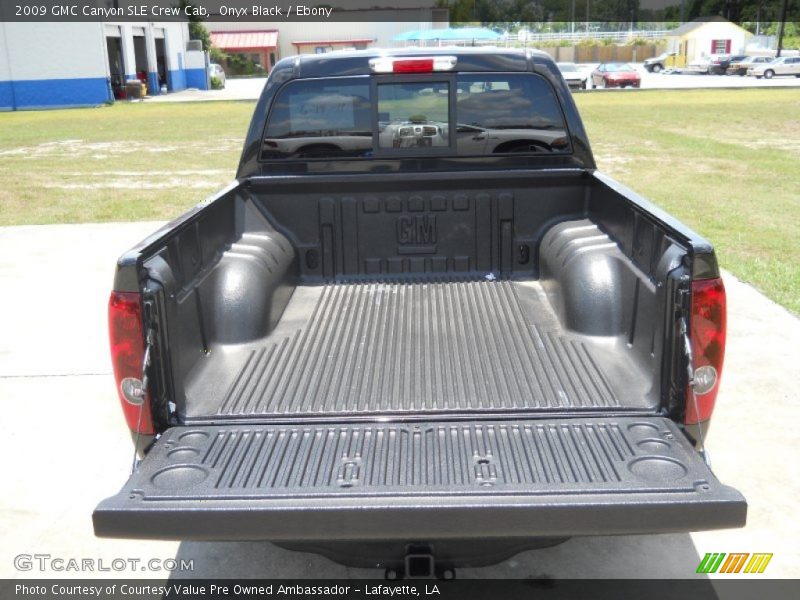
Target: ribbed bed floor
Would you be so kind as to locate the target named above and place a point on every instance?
(422, 348)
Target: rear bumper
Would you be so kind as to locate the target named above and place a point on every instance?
(450, 480)
(623, 83)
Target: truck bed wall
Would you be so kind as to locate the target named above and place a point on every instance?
(228, 274)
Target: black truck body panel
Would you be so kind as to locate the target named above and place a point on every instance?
(617, 205)
(438, 348)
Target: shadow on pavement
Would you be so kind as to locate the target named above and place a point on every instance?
(667, 556)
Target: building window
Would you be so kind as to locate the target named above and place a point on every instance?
(720, 46)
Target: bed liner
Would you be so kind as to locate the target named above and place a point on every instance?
(421, 348)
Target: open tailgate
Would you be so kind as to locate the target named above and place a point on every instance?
(431, 480)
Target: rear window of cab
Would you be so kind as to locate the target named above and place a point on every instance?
(468, 114)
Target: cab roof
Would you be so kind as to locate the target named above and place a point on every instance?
(356, 62)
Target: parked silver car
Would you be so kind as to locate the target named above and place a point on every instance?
(785, 65)
(575, 78)
(740, 67)
(658, 63)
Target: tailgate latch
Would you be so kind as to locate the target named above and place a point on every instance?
(692, 383)
(142, 389)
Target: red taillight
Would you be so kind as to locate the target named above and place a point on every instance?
(127, 355)
(422, 65)
(707, 336)
(418, 64)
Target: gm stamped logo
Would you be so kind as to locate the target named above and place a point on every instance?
(417, 231)
(741, 562)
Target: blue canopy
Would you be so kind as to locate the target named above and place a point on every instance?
(450, 34)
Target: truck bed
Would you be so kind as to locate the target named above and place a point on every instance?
(416, 348)
(303, 300)
(415, 360)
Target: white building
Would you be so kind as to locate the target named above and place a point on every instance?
(45, 65)
(697, 40)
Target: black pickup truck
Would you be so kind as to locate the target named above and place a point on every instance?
(420, 330)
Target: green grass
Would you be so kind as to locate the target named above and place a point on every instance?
(116, 163)
(723, 161)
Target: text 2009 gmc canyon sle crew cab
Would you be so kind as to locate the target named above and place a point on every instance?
(419, 327)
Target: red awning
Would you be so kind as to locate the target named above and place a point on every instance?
(244, 40)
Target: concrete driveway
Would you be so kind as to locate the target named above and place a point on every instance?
(65, 446)
(235, 89)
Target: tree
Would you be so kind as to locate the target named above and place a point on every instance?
(502, 11)
(198, 31)
(614, 13)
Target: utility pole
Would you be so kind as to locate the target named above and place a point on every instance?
(782, 26)
(758, 19)
(587, 18)
(572, 18)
